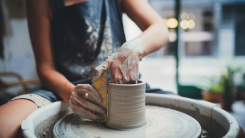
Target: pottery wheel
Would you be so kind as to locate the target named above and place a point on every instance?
(161, 122)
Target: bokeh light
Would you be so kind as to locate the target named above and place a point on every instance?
(172, 23)
(191, 24)
(184, 16)
(184, 24)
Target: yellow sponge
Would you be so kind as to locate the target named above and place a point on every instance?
(101, 86)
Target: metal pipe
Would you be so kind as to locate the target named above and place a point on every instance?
(176, 43)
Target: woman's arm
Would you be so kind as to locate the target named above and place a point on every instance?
(155, 32)
(123, 64)
(39, 16)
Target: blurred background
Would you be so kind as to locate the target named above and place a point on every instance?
(204, 59)
(205, 56)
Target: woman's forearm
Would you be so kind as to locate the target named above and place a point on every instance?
(155, 32)
(39, 18)
(154, 37)
(54, 81)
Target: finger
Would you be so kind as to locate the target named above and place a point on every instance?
(133, 74)
(88, 104)
(86, 88)
(133, 69)
(120, 81)
(113, 78)
(95, 95)
(83, 89)
(124, 70)
(80, 86)
(128, 69)
(116, 75)
(105, 66)
(84, 112)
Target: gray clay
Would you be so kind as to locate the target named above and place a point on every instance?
(126, 105)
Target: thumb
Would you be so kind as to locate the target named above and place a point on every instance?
(98, 71)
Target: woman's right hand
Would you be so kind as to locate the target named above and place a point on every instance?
(85, 100)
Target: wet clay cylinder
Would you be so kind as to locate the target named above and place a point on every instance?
(126, 105)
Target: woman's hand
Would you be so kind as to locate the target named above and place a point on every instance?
(85, 100)
(123, 64)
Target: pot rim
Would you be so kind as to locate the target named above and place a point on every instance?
(138, 84)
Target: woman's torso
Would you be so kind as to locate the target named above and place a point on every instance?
(84, 34)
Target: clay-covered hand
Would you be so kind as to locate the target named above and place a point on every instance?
(85, 100)
(123, 64)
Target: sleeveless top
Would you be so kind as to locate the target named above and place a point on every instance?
(84, 34)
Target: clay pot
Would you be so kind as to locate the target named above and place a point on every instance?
(241, 133)
(126, 105)
(243, 97)
(226, 103)
(211, 97)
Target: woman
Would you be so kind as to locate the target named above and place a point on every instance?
(72, 37)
